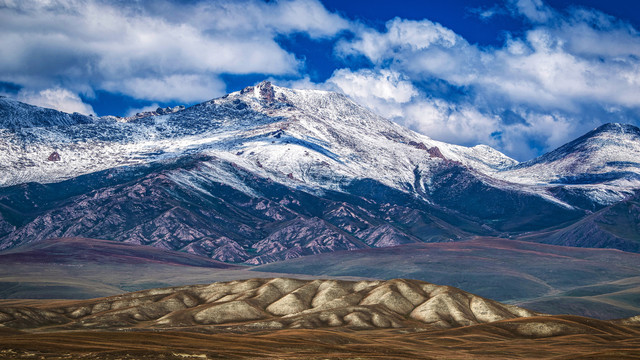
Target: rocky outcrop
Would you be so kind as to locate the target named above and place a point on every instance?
(266, 91)
(418, 145)
(159, 111)
(54, 156)
(435, 152)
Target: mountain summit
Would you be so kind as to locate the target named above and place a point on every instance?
(607, 145)
(602, 165)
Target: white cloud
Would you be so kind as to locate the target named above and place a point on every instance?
(400, 36)
(57, 98)
(135, 47)
(562, 76)
(486, 13)
(534, 10)
(418, 49)
(183, 88)
(383, 91)
(459, 124)
(304, 83)
(257, 17)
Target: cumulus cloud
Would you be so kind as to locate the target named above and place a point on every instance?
(459, 124)
(567, 73)
(154, 50)
(548, 66)
(400, 36)
(534, 10)
(383, 91)
(57, 98)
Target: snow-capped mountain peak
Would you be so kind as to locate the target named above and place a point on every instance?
(608, 138)
(16, 115)
(325, 135)
(603, 162)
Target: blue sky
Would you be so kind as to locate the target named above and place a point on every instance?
(523, 76)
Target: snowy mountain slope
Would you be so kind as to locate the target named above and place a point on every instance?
(211, 207)
(315, 138)
(327, 140)
(603, 165)
(306, 138)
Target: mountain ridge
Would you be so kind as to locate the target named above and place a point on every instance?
(294, 157)
(264, 118)
(584, 140)
(602, 162)
(15, 114)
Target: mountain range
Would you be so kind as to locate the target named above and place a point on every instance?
(269, 173)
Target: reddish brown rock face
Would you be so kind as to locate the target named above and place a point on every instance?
(435, 152)
(54, 156)
(418, 145)
(266, 91)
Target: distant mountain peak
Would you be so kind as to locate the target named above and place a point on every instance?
(598, 139)
(604, 161)
(615, 128)
(17, 115)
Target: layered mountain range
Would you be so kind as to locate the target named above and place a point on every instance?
(269, 173)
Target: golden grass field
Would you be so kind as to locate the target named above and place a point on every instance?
(487, 341)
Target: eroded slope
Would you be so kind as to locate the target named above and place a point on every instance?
(271, 304)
